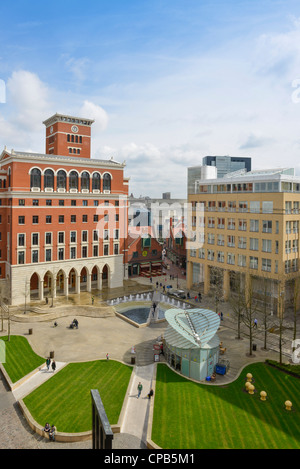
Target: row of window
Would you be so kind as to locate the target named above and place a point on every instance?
(48, 255)
(233, 206)
(61, 203)
(241, 260)
(74, 178)
(241, 242)
(61, 219)
(61, 237)
(241, 224)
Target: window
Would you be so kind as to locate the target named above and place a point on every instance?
(35, 239)
(61, 237)
(85, 203)
(35, 256)
(210, 238)
(48, 238)
(254, 225)
(221, 222)
(73, 218)
(254, 244)
(35, 219)
(35, 202)
(48, 255)
(116, 234)
(73, 203)
(48, 219)
(49, 179)
(266, 265)
(84, 251)
(84, 218)
(220, 256)
(106, 235)
(73, 252)
(267, 226)
(95, 235)
(96, 203)
(73, 180)
(254, 206)
(106, 217)
(230, 258)
(201, 253)
(106, 250)
(85, 180)
(267, 207)
(61, 254)
(84, 236)
(210, 255)
(253, 262)
(61, 203)
(117, 203)
(242, 242)
(220, 240)
(231, 241)
(61, 179)
(231, 224)
(106, 182)
(21, 202)
(95, 251)
(243, 206)
(241, 260)
(21, 220)
(73, 236)
(61, 219)
(267, 245)
(242, 225)
(21, 257)
(116, 217)
(96, 218)
(21, 240)
(49, 202)
(231, 206)
(35, 178)
(135, 254)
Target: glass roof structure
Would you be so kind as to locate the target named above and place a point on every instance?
(193, 328)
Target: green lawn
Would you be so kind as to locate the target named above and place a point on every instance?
(19, 357)
(65, 399)
(191, 415)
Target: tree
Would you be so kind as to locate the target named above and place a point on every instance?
(216, 287)
(237, 298)
(250, 309)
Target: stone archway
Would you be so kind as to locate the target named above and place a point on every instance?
(49, 290)
(84, 279)
(61, 279)
(34, 287)
(106, 276)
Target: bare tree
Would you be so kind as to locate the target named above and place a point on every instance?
(250, 310)
(237, 298)
(216, 287)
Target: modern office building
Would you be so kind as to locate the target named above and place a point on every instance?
(63, 216)
(247, 223)
(227, 164)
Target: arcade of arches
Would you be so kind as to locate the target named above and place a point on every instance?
(52, 284)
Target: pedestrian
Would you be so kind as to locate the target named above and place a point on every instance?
(140, 387)
(92, 300)
(53, 365)
(47, 428)
(199, 297)
(150, 394)
(52, 433)
(221, 316)
(150, 279)
(107, 356)
(48, 362)
(255, 323)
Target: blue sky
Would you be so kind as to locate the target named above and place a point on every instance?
(167, 82)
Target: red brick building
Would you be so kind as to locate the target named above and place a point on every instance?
(144, 255)
(176, 244)
(63, 216)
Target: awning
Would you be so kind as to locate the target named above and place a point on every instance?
(156, 264)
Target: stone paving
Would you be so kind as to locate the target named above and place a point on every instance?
(97, 336)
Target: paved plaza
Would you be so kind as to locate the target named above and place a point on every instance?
(101, 332)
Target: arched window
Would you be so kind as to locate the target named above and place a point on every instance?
(85, 180)
(106, 182)
(73, 180)
(96, 181)
(35, 178)
(48, 179)
(61, 180)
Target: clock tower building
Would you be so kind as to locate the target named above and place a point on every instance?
(68, 136)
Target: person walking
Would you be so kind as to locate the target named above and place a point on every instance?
(150, 394)
(53, 365)
(221, 316)
(48, 362)
(255, 323)
(107, 356)
(140, 387)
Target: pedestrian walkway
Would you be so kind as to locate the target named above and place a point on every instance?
(34, 381)
(137, 409)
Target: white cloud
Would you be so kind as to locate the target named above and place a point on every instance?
(94, 111)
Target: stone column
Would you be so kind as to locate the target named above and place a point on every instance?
(41, 290)
(77, 285)
(66, 285)
(89, 282)
(226, 284)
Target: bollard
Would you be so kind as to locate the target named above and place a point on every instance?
(249, 377)
(263, 395)
(288, 405)
(251, 389)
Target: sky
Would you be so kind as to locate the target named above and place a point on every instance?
(167, 82)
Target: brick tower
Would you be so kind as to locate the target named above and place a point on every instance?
(68, 136)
